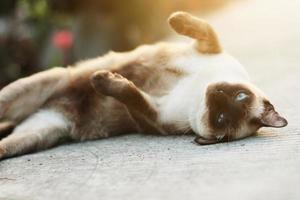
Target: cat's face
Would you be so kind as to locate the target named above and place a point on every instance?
(235, 111)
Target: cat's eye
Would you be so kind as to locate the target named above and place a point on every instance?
(241, 96)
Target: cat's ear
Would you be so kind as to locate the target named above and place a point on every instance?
(270, 118)
(206, 39)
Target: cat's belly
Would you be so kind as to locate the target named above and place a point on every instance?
(108, 118)
(93, 116)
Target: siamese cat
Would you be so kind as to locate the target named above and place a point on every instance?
(163, 89)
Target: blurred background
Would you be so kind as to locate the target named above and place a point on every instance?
(39, 34)
(264, 35)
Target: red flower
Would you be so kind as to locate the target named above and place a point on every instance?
(63, 39)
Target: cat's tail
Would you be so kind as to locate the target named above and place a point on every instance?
(25, 96)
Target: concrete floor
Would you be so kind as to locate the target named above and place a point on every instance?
(264, 35)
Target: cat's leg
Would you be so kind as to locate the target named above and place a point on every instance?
(40, 131)
(23, 97)
(6, 128)
(140, 105)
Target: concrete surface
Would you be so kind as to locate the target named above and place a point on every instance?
(265, 36)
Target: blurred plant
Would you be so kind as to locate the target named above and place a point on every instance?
(25, 26)
(63, 40)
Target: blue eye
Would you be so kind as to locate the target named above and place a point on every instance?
(241, 96)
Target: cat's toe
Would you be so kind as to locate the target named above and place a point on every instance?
(101, 75)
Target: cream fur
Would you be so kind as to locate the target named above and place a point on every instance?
(185, 104)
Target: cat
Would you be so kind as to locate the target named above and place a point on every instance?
(165, 88)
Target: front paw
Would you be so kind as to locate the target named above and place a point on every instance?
(110, 84)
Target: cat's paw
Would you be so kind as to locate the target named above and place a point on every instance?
(111, 84)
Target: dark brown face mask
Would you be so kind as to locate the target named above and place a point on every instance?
(269, 118)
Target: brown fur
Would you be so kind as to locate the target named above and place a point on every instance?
(185, 24)
(138, 103)
(116, 94)
(93, 115)
(6, 128)
(13, 96)
(220, 99)
(96, 115)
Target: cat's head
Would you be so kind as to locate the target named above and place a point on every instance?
(234, 111)
(230, 110)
